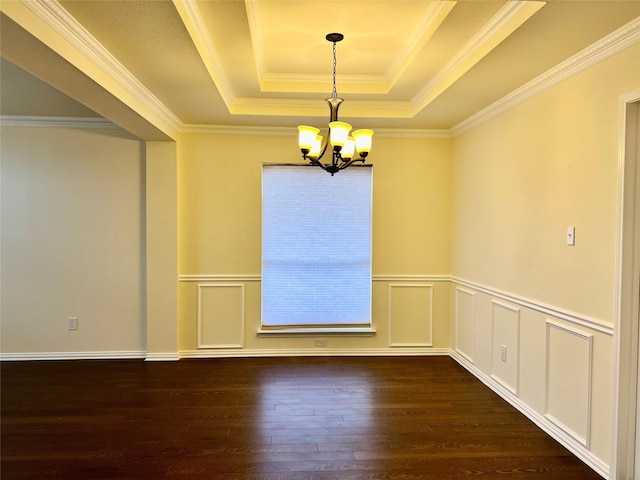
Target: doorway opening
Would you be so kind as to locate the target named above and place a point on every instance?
(626, 422)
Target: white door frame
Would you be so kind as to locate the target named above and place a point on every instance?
(626, 329)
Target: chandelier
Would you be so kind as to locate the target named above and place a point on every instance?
(344, 146)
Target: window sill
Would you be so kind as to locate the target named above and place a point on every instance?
(315, 331)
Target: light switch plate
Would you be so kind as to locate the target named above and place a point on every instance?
(571, 236)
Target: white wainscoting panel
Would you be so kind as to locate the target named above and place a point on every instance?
(220, 315)
(505, 344)
(465, 322)
(569, 361)
(410, 315)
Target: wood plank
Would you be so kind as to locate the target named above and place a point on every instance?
(271, 418)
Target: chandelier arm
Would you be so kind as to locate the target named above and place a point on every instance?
(316, 163)
(323, 149)
(351, 162)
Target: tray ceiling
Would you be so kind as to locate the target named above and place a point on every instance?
(410, 64)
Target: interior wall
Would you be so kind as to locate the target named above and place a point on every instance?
(220, 244)
(519, 181)
(161, 254)
(72, 242)
(522, 178)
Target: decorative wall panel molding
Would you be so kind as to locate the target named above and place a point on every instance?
(256, 277)
(203, 278)
(410, 315)
(568, 441)
(220, 315)
(550, 310)
(505, 344)
(411, 278)
(568, 379)
(465, 323)
(553, 311)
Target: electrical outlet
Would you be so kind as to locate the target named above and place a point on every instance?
(503, 353)
(320, 342)
(72, 323)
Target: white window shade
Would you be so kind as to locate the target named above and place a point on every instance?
(316, 247)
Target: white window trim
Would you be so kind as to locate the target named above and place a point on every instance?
(313, 331)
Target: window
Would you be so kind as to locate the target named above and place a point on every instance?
(316, 247)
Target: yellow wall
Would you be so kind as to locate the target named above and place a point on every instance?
(522, 178)
(220, 225)
(161, 233)
(519, 180)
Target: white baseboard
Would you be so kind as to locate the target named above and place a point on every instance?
(225, 353)
(566, 440)
(162, 357)
(316, 352)
(99, 355)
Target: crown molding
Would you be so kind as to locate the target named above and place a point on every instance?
(307, 83)
(102, 123)
(625, 37)
(255, 33)
(431, 20)
(508, 19)
(238, 130)
(57, 122)
(197, 28)
(292, 131)
(312, 107)
(413, 133)
(64, 24)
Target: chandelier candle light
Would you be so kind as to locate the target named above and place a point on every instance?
(344, 145)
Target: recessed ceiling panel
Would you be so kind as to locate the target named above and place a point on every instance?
(289, 37)
(380, 39)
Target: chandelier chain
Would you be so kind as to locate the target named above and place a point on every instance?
(334, 94)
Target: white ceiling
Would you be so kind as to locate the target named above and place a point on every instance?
(404, 64)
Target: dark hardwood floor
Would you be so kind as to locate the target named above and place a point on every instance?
(340, 418)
